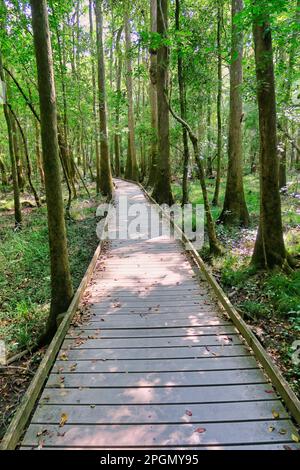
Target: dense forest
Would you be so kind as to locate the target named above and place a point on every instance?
(197, 100)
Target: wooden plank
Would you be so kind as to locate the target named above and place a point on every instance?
(127, 343)
(150, 321)
(143, 319)
(153, 353)
(189, 413)
(156, 379)
(257, 446)
(156, 365)
(151, 303)
(150, 395)
(164, 312)
(157, 434)
(151, 332)
(141, 295)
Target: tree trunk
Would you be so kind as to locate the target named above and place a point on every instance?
(17, 153)
(215, 200)
(162, 191)
(106, 184)
(235, 210)
(214, 245)
(209, 168)
(61, 285)
(131, 165)
(3, 172)
(95, 118)
(38, 153)
(269, 248)
(28, 162)
(182, 100)
(153, 98)
(7, 115)
(117, 109)
(287, 98)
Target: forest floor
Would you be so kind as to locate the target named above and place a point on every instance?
(25, 286)
(269, 302)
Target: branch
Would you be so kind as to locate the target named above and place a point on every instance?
(28, 102)
(181, 121)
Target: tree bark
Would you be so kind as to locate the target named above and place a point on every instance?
(162, 191)
(3, 172)
(28, 163)
(235, 210)
(61, 285)
(95, 118)
(17, 152)
(117, 109)
(131, 164)
(215, 200)
(38, 153)
(182, 100)
(153, 98)
(214, 245)
(287, 99)
(7, 115)
(269, 250)
(106, 184)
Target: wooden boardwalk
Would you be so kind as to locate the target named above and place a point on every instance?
(153, 363)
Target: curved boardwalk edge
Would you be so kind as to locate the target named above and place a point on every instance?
(281, 385)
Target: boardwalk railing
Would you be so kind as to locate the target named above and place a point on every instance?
(271, 369)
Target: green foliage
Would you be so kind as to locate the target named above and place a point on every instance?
(284, 293)
(25, 271)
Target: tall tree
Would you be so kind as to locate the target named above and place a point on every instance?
(61, 285)
(117, 136)
(235, 210)
(153, 97)
(131, 164)
(269, 248)
(162, 191)
(106, 184)
(8, 119)
(215, 200)
(95, 117)
(182, 100)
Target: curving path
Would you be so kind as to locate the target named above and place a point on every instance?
(152, 362)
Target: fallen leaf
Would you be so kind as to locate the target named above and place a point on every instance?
(271, 428)
(275, 414)
(200, 430)
(42, 433)
(295, 437)
(282, 431)
(63, 420)
(63, 357)
(41, 444)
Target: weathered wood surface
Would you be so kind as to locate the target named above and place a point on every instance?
(152, 360)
